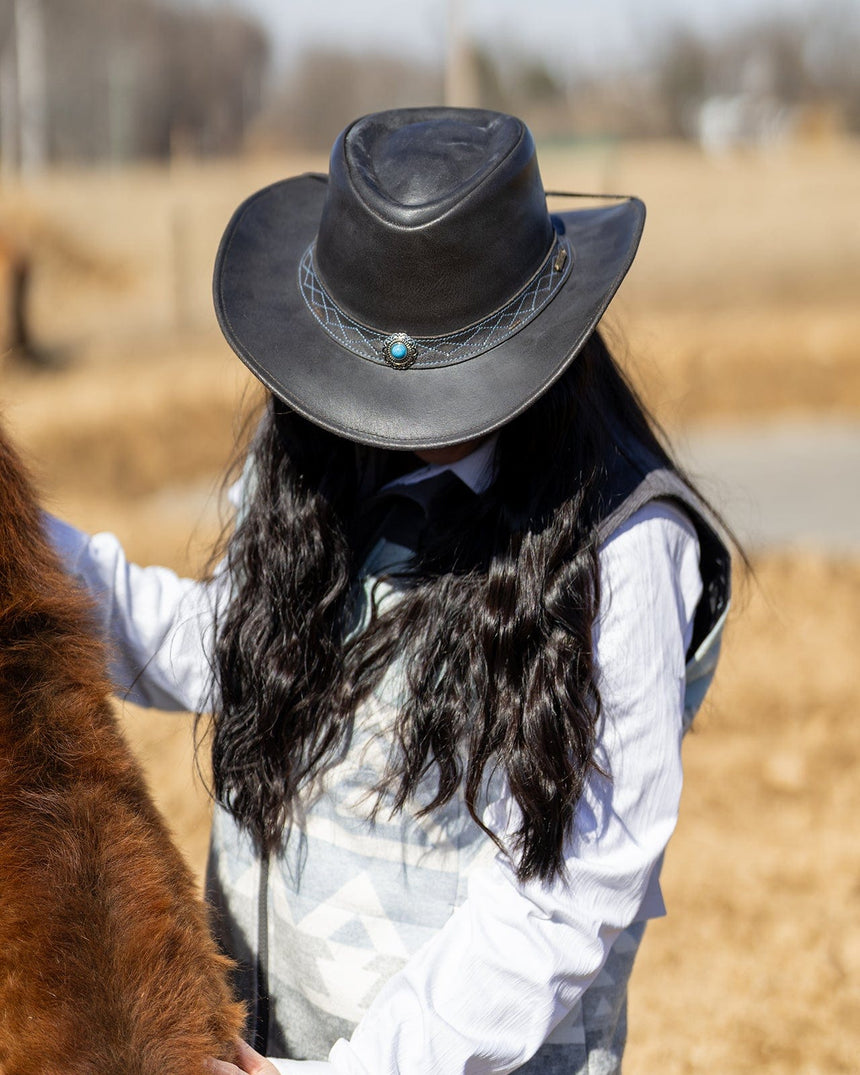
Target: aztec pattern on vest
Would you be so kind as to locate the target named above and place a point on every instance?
(322, 927)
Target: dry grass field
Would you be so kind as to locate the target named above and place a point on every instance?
(742, 306)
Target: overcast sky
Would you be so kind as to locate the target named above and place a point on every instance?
(566, 32)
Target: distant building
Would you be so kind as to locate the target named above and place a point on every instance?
(730, 121)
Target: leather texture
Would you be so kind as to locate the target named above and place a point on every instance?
(429, 220)
(432, 220)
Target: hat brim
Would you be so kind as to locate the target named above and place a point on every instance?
(265, 320)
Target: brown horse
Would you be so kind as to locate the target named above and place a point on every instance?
(106, 963)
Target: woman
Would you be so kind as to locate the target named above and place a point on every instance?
(448, 691)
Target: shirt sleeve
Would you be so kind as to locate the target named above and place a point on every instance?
(302, 1067)
(512, 961)
(158, 626)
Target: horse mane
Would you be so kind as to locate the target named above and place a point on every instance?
(106, 962)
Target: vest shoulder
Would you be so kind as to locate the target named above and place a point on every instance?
(637, 475)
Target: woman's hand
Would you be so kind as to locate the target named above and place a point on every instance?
(249, 1061)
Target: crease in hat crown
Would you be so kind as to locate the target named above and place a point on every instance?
(433, 219)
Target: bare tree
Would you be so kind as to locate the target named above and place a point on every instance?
(128, 78)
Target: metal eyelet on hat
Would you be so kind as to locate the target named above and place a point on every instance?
(399, 350)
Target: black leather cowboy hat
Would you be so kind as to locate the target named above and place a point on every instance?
(421, 294)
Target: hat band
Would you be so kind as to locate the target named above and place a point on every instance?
(426, 352)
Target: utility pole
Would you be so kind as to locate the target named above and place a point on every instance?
(461, 85)
(8, 111)
(32, 85)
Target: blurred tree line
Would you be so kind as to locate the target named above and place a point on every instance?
(805, 62)
(800, 65)
(797, 72)
(93, 80)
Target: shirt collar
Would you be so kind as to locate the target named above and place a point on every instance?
(475, 469)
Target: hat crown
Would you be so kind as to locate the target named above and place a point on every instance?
(426, 165)
(433, 218)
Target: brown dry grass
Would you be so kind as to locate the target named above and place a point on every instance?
(742, 304)
(757, 967)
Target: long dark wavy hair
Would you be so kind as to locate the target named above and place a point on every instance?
(495, 620)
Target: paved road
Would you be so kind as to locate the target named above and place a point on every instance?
(792, 483)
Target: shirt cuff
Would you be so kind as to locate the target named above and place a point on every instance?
(302, 1067)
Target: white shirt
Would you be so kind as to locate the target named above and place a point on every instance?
(508, 965)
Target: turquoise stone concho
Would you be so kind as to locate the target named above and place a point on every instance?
(399, 350)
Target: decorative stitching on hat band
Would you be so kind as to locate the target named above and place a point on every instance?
(444, 350)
